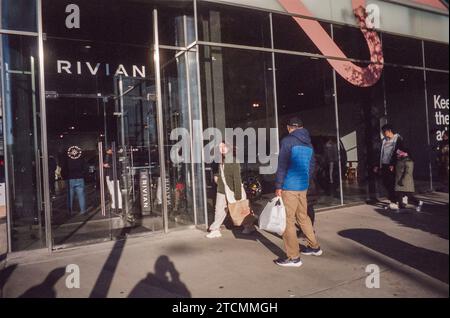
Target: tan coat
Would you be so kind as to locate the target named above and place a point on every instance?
(404, 176)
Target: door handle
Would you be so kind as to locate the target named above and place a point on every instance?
(102, 178)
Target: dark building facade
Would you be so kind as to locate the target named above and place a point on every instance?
(82, 77)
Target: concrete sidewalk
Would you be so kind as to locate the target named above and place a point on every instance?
(411, 249)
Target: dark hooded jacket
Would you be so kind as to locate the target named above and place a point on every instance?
(296, 162)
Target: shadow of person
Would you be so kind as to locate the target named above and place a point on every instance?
(5, 274)
(164, 283)
(46, 288)
(434, 264)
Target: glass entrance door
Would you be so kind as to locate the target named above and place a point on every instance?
(78, 129)
(104, 164)
(138, 157)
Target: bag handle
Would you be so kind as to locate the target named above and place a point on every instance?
(279, 201)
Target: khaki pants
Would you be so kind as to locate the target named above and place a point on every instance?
(297, 212)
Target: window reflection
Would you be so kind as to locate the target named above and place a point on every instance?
(237, 92)
(21, 109)
(305, 89)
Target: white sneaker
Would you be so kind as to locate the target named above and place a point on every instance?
(393, 206)
(405, 200)
(214, 234)
(420, 206)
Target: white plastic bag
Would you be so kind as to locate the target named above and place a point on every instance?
(273, 217)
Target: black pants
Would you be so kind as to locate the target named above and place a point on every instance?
(388, 178)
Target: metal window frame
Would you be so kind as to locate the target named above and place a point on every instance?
(189, 101)
(200, 105)
(338, 128)
(427, 114)
(43, 111)
(275, 90)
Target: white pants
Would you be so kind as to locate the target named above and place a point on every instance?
(159, 192)
(110, 184)
(220, 213)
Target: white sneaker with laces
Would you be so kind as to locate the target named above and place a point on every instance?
(214, 234)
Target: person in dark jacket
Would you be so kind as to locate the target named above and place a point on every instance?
(295, 165)
(73, 170)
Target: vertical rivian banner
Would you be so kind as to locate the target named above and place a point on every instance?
(144, 182)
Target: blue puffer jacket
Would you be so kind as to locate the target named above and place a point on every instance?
(295, 162)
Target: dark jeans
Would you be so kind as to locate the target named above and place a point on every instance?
(388, 178)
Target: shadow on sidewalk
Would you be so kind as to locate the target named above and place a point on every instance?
(434, 264)
(434, 220)
(5, 274)
(46, 288)
(104, 280)
(164, 283)
(258, 237)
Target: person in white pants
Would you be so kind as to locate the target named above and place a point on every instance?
(110, 184)
(219, 216)
(232, 173)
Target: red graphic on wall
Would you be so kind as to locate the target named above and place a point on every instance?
(437, 4)
(356, 75)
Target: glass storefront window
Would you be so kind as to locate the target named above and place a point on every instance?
(80, 67)
(237, 92)
(402, 51)
(101, 100)
(23, 145)
(288, 35)
(305, 89)
(438, 115)
(19, 15)
(176, 114)
(436, 55)
(406, 110)
(176, 24)
(122, 21)
(351, 41)
(361, 115)
(224, 24)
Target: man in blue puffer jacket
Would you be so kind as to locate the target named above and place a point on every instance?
(295, 164)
